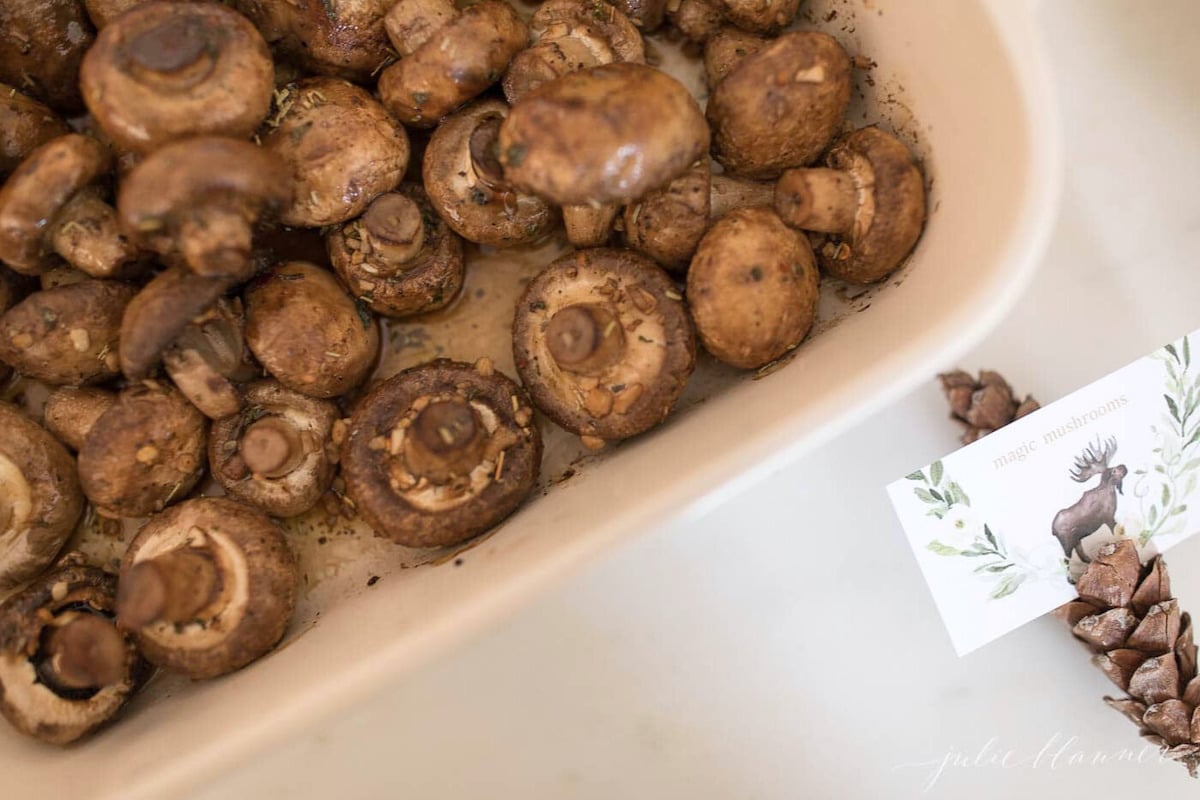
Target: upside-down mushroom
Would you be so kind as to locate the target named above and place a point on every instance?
(307, 332)
(400, 257)
(143, 453)
(278, 453)
(207, 587)
(447, 55)
(466, 184)
(869, 197)
(752, 288)
(40, 500)
(603, 342)
(160, 313)
(570, 35)
(25, 125)
(165, 71)
(210, 358)
(593, 140)
(440, 453)
(53, 205)
(41, 45)
(65, 668)
(341, 146)
(781, 106)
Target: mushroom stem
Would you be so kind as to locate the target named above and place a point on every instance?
(87, 652)
(410, 23)
(587, 225)
(170, 587)
(483, 145)
(216, 240)
(817, 199)
(176, 52)
(86, 233)
(446, 439)
(585, 339)
(271, 447)
(729, 193)
(394, 228)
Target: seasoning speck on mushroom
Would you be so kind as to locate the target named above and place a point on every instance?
(604, 344)
(440, 453)
(207, 587)
(65, 668)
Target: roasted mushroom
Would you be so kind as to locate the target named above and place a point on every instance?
(166, 71)
(700, 20)
(342, 147)
(648, 15)
(667, 223)
(781, 106)
(65, 668)
(66, 335)
(399, 257)
(869, 198)
(40, 500)
(752, 288)
(603, 343)
(570, 35)
(143, 453)
(160, 313)
(199, 199)
(210, 359)
(103, 12)
(344, 39)
(447, 55)
(207, 587)
(466, 184)
(307, 332)
(595, 139)
(52, 206)
(278, 453)
(25, 125)
(440, 453)
(727, 48)
(41, 45)
(71, 411)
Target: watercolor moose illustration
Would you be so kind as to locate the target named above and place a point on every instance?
(1098, 505)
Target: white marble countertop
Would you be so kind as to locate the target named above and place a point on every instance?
(786, 645)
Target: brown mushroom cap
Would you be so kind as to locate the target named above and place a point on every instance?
(165, 71)
(160, 312)
(460, 59)
(65, 669)
(466, 185)
(25, 125)
(647, 15)
(760, 16)
(42, 43)
(307, 332)
(440, 453)
(375, 255)
(752, 288)
(71, 411)
(781, 106)
(207, 587)
(103, 12)
(66, 335)
(276, 454)
(40, 500)
(145, 452)
(603, 342)
(601, 135)
(870, 199)
(698, 20)
(342, 147)
(728, 48)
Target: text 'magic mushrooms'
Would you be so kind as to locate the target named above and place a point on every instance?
(25, 125)
(65, 668)
(598, 138)
(447, 55)
(341, 145)
(752, 288)
(42, 43)
(207, 587)
(603, 342)
(466, 183)
(400, 257)
(869, 198)
(165, 70)
(440, 453)
(40, 499)
(277, 454)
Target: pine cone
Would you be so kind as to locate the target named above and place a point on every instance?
(983, 405)
(1143, 643)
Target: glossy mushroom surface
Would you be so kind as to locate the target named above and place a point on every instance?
(42, 43)
(160, 313)
(440, 453)
(207, 587)
(25, 125)
(603, 342)
(65, 668)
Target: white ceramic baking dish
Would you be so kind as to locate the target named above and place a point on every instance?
(965, 84)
